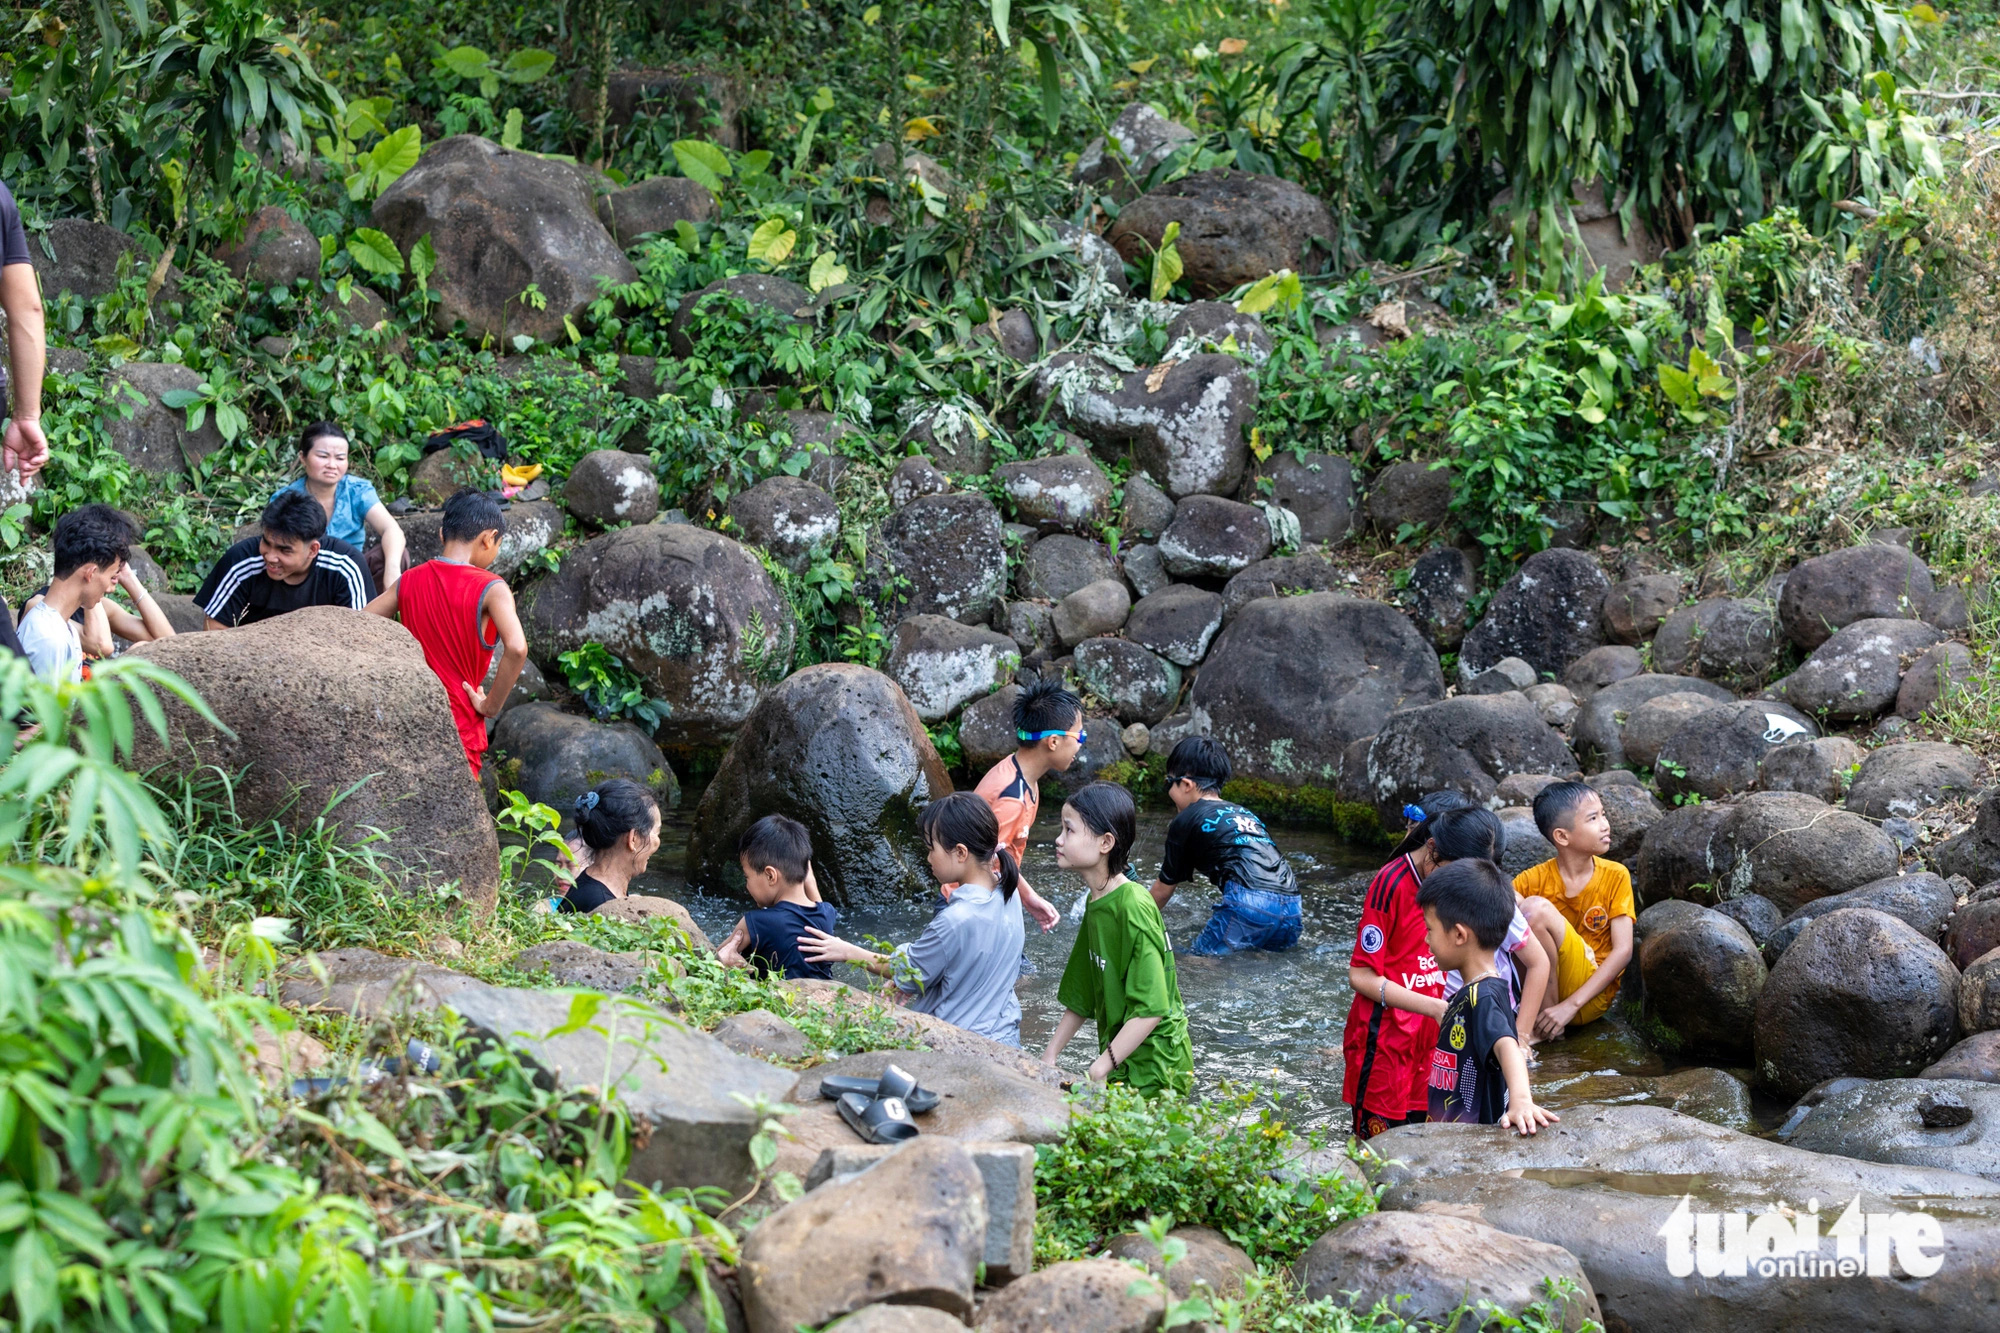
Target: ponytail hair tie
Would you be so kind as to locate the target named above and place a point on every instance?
(1414, 813)
(586, 803)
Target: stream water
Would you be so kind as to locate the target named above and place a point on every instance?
(1270, 1019)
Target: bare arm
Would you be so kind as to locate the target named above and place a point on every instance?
(817, 946)
(386, 604)
(152, 622)
(1163, 891)
(1071, 1024)
(1531, 963)
(1608, 971)
(26, 447)
(1128, 1040)
(390, 533)
(499, 609)
(1522, 1115)
(1368, 982)
(1040, 908)
(730, 952)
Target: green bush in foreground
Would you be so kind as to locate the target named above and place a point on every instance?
(1222, 1162)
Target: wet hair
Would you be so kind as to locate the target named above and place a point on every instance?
(1202, 758)
(469, 513)
(1433, 805)
(780, 843)
(963, 819)
(1555, 805)
(92, 534)
(294, 514)
(1474, 894)
(320, 430)
(1045, 706)
(1468, 834)
(610, 810)
(1106, 807)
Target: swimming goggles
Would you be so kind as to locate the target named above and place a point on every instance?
(1081, 736)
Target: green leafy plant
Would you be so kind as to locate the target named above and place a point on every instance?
(610, 689)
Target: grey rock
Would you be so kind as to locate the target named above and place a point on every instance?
(1060, 493)
(1466, 744)
(1148, 509)
(1716, 753)
(1600, 726)
(562, 756)
(1910, 777)
(761, 1033)
(1210, 1264)
(945, 557)
(1975, 853)
(1973, 931)
(500, 220)
(154, 438)
(838, 748)
(675, 1082)
(1032, 626)
(1976, 1059)
(1702, 977)
(1281, 576)
(1855, 674)
(1725, 639)
(1522, 843)
(1634, 609)
(274, 250)
(1094, 609)
(788, 516)
(1319, 489)
(1137, 738)
(1554, 702)
(778, 295)
(369, 985)
(1678, 857)
(1119, 160)
(1057, 566)
(1509, 675)
(86, 258)
(1178, 622)
(1631, 811)
(1139, 686)
(1756, 914)
(915, 477)
(575, 964)
(986, 729)
(1872, 582)
(1547, 614)
(683, 608)
(1979, 994)
(1934, 672)
(1146, 569)
(1093, 255)
(608, 486)
(943, 665)
(1008, 1172)
(654, 206)
(1235, 227)
(1184, 424)
(1211, 537)
(1414, 493)
(1293, 681)
(1653, 723)
(1922, 901)
(953, 438)
(1893, 1121)
(1219, 326)
(1442, 585)
(1792, 849)
(1820, 768)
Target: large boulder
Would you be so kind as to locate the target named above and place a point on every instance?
(1057, 566)
(654, 205)
(1211, 537)
(1717, 753)
(1465, 744)
(1119, 160)
(1210, 1261)
(1703, 973)
(1410, 494)
(690, 611)
(532, 526)
(1599, 730)
(1236, 227)
(1608, 1183)
(1425, 1266)
(957, 440)
(1079, 1296)
(1976, 1059)
(1973, 931)
(1635, 608)
(689, 1095)
(1318, 488)
(86, 257)
(942, 555)
(1282, 576)
(323, 703)
(1184, 423)
(561, 756)
(1060, 493)
(1547, 615)
(1854, 675)
(1820, 768)
(943, 665)
(1601, 667)
(443, 473)
(274, 249)
(787, 516)
(1910, 777)
(1631, 811)
(838, 748)
(502, 221)
(1678, 856)
(1178, 622)
(1139, 686)
(758, 291)
(154, 437)
(1934, 673)
(911, 1229)
(609, 486)
(1947, 1123)
(1858, 993)
(1792, 849)
(1872, 582)
(1293, 681)
(986, 729)
(1975, 853)
(1442, 585)
(1922, 901)
(1653, 723)
(1730, 640)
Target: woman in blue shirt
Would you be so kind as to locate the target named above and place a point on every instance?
(353, 509)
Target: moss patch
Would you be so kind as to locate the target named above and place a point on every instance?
(1314, 807)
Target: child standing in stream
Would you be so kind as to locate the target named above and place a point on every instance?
(1121, 972)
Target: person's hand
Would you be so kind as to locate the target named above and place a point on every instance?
(1551, 1022)
(1526, 1118)
(1045, 913)
(128, 579)
(1101, 1067)
(478, 699)
(25, 450)
(815, 945)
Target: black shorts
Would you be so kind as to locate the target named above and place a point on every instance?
(1367, 1124)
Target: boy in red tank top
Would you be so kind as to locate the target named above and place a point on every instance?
(458, 609)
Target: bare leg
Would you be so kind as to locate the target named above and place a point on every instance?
(1547, 926)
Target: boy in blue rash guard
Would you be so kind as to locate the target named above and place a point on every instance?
(1260, 895)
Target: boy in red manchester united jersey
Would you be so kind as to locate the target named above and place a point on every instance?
(457, 608)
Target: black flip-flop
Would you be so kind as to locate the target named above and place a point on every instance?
(884, 1120)
(894, 1082)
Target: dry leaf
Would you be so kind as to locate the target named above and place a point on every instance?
(1158, 376)
(1232, 46)
(1391, 319)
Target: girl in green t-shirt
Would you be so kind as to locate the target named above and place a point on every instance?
(1121, 971)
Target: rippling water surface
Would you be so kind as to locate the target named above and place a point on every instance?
(1270, 1019)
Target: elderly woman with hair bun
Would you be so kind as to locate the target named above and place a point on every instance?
(618, 830)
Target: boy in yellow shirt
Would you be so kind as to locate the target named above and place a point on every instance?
(1592, 902)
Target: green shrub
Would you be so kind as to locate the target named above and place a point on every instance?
(1222, 1162)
